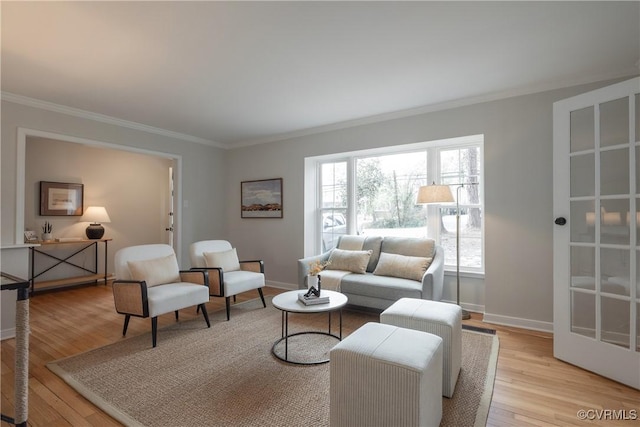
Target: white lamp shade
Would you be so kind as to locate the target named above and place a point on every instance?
(96, 214)
(434, 194)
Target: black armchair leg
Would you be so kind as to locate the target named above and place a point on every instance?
(154, 330)
(228, 304)
(264, 304)
(126, 324)
(205, 314)
(176, 315)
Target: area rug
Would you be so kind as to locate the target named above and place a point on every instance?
(227, 375)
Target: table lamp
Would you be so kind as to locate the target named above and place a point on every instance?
(95, 215)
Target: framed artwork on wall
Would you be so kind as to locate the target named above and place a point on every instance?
(61, 199)
(261, 199)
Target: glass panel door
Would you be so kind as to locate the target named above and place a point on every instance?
(596, 278)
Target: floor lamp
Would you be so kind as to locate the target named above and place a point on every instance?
(442, 194)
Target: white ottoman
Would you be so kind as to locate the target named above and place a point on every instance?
(385, 375)
(438, 318)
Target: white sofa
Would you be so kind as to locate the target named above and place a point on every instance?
(372, 289)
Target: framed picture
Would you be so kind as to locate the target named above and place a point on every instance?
(261, 199)
(61, 199)
(30, 236)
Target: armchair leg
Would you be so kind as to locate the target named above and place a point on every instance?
(228, 304)
(154, 330)
(234, 299)
(264, 304)
(176, 315)
(126, 324)
(205, 314)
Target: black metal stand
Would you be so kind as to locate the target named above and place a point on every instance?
(67, 260)
(285, 337)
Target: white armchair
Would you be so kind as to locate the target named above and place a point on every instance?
(149, 283)
(227, 276)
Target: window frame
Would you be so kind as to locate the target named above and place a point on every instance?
(313, 190)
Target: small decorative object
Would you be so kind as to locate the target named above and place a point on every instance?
(30, 236)
(47, 228)
(61, 199)
(95, 215)
(314, 282)
(261, 199)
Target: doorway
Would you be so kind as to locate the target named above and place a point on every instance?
(131, 183)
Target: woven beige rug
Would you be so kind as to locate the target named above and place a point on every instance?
(227, 376)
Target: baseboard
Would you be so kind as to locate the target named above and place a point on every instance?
(5, 334)
(474, 308)
(282, 285)
(518, 322)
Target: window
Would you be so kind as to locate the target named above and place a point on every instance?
(374, 193)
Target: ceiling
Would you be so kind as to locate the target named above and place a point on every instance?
(240, 73)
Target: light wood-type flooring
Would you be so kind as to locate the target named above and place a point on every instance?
(531, 387)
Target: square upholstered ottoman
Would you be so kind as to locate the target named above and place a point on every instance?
(439, 318)
(382, 375)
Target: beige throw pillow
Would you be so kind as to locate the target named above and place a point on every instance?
(156, 271)
(406, 267)
(353, 261)
(226, 260)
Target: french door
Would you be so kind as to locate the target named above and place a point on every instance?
(596, 234)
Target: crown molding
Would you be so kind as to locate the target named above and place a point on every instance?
(447, 105)
(76, 112)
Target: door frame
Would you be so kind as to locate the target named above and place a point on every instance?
(21, 146)
(574, 348)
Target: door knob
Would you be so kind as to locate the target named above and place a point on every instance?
(561, 220)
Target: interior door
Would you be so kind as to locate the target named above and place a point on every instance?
(596, 238)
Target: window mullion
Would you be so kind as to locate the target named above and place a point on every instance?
(351, 196)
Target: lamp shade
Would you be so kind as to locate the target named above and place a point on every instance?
(95, 215)
(434, 194)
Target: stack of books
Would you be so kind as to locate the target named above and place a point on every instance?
(312, 299)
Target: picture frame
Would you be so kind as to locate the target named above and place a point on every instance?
(61, 199)
(261, 198)
(30, 236)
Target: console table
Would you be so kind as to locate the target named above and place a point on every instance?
(84, 245)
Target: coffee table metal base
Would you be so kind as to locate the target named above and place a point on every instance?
(286, 336)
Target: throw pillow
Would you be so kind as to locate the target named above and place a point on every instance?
(226, 260)
(353, 261)
(406, 267)
(156, 271)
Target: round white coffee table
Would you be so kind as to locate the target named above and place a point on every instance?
(288, 302)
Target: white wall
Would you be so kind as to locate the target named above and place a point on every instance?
(518, 284)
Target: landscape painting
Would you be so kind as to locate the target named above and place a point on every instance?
(261, 199)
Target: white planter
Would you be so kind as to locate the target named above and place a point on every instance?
(47, 237)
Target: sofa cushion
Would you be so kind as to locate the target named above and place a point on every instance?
(354, 261)
(407, 267)
(410, 246)
(155, 271)
(381, 287)
(226, 260)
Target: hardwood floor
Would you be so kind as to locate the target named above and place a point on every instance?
(531, 387)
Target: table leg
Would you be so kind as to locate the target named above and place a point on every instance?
(329, 313)
(286, 336)
(340, 324)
